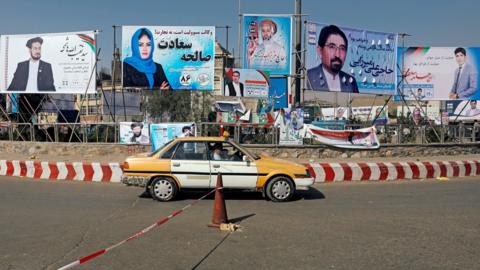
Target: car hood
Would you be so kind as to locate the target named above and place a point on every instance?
(276, 163)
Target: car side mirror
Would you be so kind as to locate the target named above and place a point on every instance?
(245, 158)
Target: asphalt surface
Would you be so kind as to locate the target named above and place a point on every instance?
(427, 224)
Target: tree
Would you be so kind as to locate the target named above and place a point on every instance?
(169, 106)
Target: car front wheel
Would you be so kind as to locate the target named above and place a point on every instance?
(280, 189)
(163, 189)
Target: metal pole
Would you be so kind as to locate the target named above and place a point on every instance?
(298, 48)
(239, 33)
(113, 72)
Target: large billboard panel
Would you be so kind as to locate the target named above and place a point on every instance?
(168, 57)
(342, 59)
(267, 43)
(48, 63)
(246, 83)
(440, 73)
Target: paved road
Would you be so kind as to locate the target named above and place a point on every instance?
(396, 225)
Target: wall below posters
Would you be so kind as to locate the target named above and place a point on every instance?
(350, 60)
(432, 73)
(172, 57)
(62, 63)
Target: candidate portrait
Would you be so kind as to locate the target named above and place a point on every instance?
(332, 48)
(33, 75)
(465, 77)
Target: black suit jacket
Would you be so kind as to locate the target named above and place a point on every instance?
(44, 77)
(233, 93)
(317, 81)
(134, 78)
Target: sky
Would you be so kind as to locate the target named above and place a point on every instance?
(430, 23)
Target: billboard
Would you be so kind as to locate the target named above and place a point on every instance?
(134, 133)
(364, 138)
(349, 60)
(279, 92)
(463, 110)
(246, 83)
(267, 43)
(291, 127)
(163, 133)
(48, 63)
(168, 57)
(368, 114)
(440, 73)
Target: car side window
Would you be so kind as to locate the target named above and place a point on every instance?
(168, 154)
(191, 151)
(225, 151)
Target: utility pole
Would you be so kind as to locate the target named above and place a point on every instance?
(298, 49)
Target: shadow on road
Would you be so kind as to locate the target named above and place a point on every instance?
(232, 194)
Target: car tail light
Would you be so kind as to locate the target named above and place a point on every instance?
(125, 166)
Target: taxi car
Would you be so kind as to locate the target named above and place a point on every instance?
(195, 162)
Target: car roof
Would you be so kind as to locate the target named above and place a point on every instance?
(211, 139)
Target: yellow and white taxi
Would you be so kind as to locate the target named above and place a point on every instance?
(195, 162)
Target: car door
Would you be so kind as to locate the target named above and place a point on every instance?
(236, 173)
(190, 164)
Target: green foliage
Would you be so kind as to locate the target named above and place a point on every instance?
(169, 106)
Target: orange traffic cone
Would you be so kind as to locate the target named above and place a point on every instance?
(219, 210)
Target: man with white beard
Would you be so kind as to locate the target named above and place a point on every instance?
(269, 53)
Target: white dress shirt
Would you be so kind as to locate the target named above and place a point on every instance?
(32, 76)
(333, 81)
(236, 86)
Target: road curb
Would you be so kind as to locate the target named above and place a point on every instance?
(73, 171)
(389, 171)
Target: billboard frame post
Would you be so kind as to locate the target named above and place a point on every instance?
(94, 71)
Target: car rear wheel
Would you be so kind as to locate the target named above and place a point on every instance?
(280, 189)
(163, 189)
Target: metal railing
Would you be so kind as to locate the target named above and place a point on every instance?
(242, 133)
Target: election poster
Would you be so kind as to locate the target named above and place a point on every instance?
(48, 63)
(165, 132)
(134, 133)
(291, 127)
(349, 60)
(267, 43)
(440, 73)
(246, 83)
(279, 92)
(337, 113)
(463, 110)
(168, 57)
(364, 138)
(368, 114)
(419, 113)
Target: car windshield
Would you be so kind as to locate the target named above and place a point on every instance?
(244, 150)
(160, 149)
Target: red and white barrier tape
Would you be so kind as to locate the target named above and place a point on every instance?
(387, 171)
(142, 232)
(76, 171)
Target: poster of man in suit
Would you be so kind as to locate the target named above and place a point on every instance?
(48, 63)
(443, 73)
